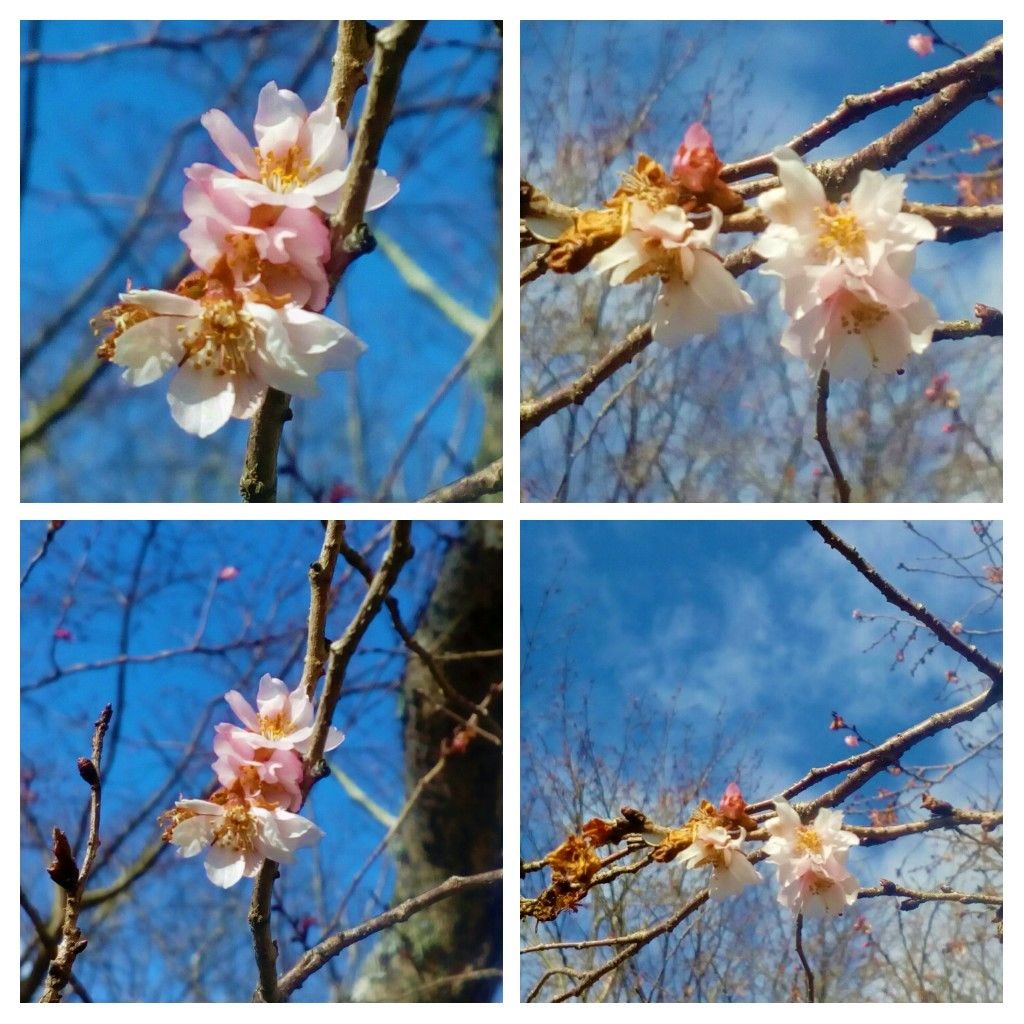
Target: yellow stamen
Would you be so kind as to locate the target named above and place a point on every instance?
(237, 829)
(223, 338)
(285, 172)
(808, 840)
(841, 232)
(275, 727)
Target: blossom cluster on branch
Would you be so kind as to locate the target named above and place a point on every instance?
(810, 859)
(259, 765)
(248, 318)
(844, 267)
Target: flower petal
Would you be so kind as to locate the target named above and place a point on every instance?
(231, 142)
(201, 403)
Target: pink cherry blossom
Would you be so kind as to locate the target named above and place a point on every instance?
(229, 572)
(281, 719)
(300, 160)
(921, 43)
(237, 836)
(225, 352)
(811, 861)
(62, 633)
(284, 249)
(716, 848)
(844, 271)
(695, 287)
(272, 774)
(851, 740)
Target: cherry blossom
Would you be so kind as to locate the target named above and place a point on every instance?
(228, 572)
(284, 249)
(695, 287)
(300, 160)
(811, 861)
(225, 349)
(844, 271)
(281, 719)
(714, 846)
(237, 836)
(270, 773)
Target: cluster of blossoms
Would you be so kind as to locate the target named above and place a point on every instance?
(260, 770)
(844, 271)
(669, 223)
(844, 268)
(810, 859)
(249, 317)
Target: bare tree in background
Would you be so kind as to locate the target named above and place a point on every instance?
(605, 416)
(321, 928)
(628, 928)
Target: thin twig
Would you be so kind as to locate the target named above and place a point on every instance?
(821, 436)
(808, 973)
(915, 609)
(68, 876)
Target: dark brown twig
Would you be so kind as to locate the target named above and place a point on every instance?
(72, 942)
(808, 973)
(915, 609)
(985, 63)
(821, 436)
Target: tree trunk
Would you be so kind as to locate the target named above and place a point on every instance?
(455, 826)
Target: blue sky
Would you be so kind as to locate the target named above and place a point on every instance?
(86, 571)
(750, 620)
(106, 144)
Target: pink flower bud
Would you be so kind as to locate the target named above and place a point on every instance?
(732, 805)
(696, 164)
(851, 740)
(951, 676)
(60, 633)
(229, 572)
(857, 614)
(921, 44)
(899, 655)
(957, 628)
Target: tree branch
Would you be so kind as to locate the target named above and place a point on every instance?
(484, 481)
(321, 572)
(915, 609)
(330, 947)
(67, 875)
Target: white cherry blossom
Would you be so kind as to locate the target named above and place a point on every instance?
(695, 287)
(237, 836)
(844, 271)
(225, 351)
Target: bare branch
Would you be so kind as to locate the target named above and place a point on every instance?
(330, 947)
